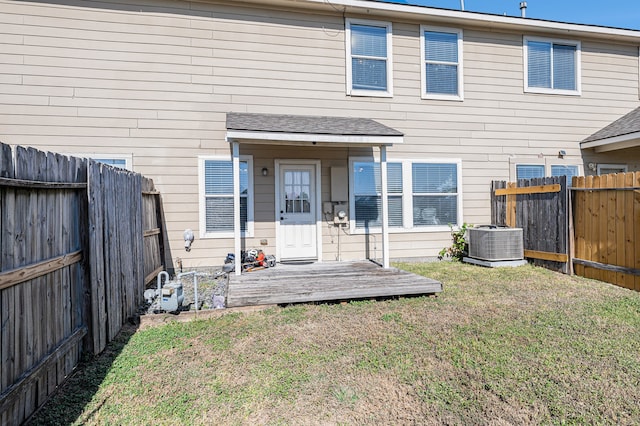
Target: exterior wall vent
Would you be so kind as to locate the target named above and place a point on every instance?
(493, 243)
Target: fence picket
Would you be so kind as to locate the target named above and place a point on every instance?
(579, 223)
(597, 229)
(620, 222)
(636, 222)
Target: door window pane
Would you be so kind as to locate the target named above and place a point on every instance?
(297, 191)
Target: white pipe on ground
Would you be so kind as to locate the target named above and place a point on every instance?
(159, 281)
(195, 285)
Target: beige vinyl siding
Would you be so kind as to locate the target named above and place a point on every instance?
(154, 80)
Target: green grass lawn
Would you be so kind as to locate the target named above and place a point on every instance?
(500, 346)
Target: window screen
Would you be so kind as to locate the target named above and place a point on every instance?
(435, 194)
(441, 62)
(564, 170)
(529, 171)
(115, 162)
(218, 177)
(369, 57)
(367, 194)
(551, 65)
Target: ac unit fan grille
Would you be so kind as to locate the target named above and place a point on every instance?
(496, 244)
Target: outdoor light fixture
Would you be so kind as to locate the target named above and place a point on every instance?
(188, 239)
(265, 171)
(592, 166)
(562, 153)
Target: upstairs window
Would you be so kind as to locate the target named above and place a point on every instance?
(368, 58)
(552, 66)
(441, 54)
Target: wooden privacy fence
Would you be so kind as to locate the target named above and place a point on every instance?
(607, 228)
(41, 276)
(540, 208)
(77, 240)
(594, 232)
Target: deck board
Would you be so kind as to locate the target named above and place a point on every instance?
(329, 281)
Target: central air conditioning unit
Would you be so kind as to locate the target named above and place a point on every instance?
(493, 243)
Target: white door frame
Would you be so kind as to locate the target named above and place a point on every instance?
(318, 200)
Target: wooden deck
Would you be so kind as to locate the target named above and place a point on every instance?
(298, 283)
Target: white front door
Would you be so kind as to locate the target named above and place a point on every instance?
(296, 212)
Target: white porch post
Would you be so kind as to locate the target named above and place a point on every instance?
(236, 207)
(385, 207)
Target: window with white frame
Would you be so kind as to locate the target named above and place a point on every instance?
(529, 171)
(422, 195)
(565, 170)
(605, 169)
(123, 161)
(368, 47)
(115, 162)
(216, 192)
(552, 66)
(367, 194)
(546, 169)
(441, 54)
(435, 194)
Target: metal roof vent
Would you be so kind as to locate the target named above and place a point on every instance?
(523, 9)
(493, 243)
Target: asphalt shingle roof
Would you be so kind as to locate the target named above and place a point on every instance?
(628, 124)
(308, 124)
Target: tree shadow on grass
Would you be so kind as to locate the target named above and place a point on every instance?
(68, 403)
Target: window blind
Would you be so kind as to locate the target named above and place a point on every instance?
(441, 62)
(369, 57)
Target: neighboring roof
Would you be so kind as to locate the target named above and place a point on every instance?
(622, 133)
(307, 128)
(386, 10)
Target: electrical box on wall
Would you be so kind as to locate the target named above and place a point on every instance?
(339, 184)
(327, 207)
(340, 215)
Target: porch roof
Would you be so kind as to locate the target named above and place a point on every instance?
(302, 129)
(622, 133)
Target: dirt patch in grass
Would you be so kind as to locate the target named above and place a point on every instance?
(503, 346)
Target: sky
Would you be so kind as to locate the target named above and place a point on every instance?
(610, 13)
